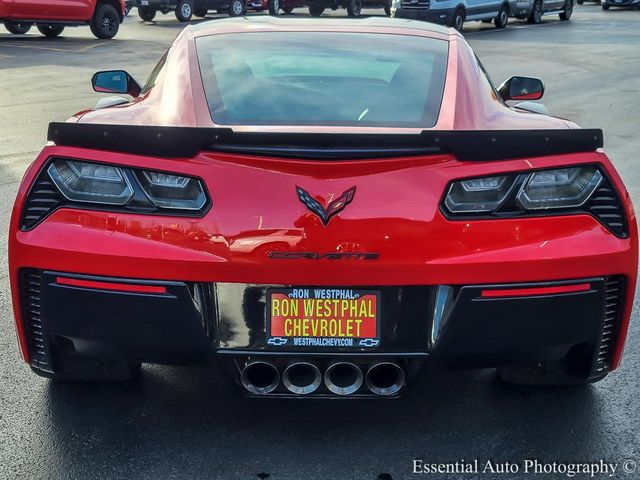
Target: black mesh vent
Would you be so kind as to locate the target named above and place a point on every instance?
(605, 205)
(614, 293)
(43, 198)
(31, 288)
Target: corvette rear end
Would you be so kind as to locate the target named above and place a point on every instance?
(331, 229)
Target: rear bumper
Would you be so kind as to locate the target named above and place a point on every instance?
(185, 322)
(440, 16)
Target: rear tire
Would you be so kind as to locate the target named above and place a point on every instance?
(503, 17)
(387, 9)
(538, 377)
(184, 10)
(535, 16)
(274, 7)
(105, 22)
(91, 370)
(315, 10)
(17, 28)
(605, 6)
(236, 8)
(457, 21)
(568, 10)
(51, 31)
(146, 14)
(354, 9)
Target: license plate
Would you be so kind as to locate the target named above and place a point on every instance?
(323, 318)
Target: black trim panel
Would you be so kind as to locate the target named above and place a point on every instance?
(468, 145)
(132, 326)
(192, 322)
(565, 328)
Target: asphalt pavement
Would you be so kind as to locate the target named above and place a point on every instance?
(178, 423)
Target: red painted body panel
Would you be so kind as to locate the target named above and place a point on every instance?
(42, 10)
(395, 212)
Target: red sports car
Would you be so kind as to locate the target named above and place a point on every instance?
(323, 209)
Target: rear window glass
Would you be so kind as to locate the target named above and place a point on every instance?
(318, 78)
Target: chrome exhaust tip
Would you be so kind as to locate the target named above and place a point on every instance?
(385, 378)
(302, 378)
(343, 378)
(260, 377)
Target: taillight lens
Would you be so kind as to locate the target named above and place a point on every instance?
(478, 195)
(90, 182)
(98, 183)
(172, 191)
(68, 182)
(559, 188)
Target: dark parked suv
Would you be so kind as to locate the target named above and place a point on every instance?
(185, 9)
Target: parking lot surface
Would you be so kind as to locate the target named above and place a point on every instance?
(186, 423)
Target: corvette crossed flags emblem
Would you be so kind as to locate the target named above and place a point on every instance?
(334, 207)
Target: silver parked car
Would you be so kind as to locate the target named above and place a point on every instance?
(534, 10)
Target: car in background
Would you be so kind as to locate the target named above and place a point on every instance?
(353, 7)
(275, 7)
(103, 16)
(453, 13)
(534, 10)
(620, 3)
(186, 9)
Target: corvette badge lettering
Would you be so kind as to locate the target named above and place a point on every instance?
(332, 209)
(321, 256)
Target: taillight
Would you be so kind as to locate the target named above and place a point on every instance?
(81, 184)
(559, 188)
(558, 191)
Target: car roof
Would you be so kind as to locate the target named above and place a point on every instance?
(262, 23)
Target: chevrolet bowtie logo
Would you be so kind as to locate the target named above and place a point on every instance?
(277, 341)
(332, 209)
(369, 342)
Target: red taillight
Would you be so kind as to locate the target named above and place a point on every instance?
(532, 291)
(121, 287)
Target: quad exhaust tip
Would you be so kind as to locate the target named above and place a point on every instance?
(260, 377)
(340, 378)
(302, 378)
(343, 378)
(385, 378)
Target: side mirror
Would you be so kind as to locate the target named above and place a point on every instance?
(115, 81)
(521, 88)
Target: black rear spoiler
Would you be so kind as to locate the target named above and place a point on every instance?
(467, 145)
